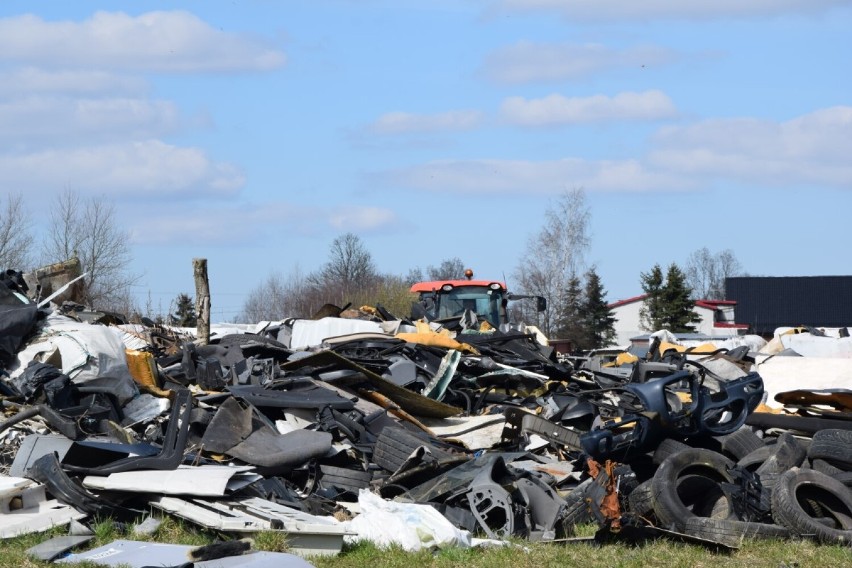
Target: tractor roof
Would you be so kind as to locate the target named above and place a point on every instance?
(437, 284)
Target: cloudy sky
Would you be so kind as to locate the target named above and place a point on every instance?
(253, 133)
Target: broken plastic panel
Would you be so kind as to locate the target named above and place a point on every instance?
(306, 534)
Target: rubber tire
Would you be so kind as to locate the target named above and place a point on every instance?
(833, 446)
(755, 459)
(788, 452)
(576, 510)
(668, 447)
(823, 466)
(705, 496)
(732, 532)
(670, 509)
(740, 443)
(844, 477)
(798, 486)
(768, 480)
(641, 500)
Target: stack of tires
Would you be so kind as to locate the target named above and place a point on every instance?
(803, 488)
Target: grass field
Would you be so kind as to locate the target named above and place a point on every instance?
(752, 554)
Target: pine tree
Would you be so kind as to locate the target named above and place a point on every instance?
(597, 315)
(570, 321)
(184, 311)
(651, 315)
(677, 306)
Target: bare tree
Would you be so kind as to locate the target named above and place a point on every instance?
(280, 297)
(449, 269)
(349, 269)
(88, 230)
(706, 272)
(414, 275)
(15, 238)
(555, 255)
(728, 266)
(392, 292)
(283, 296)
(267, 302)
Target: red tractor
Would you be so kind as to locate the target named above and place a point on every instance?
(442, 300)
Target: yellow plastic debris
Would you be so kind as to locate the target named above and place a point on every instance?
(142, 367)
(665, 346)
(704, 348)
(425, 335)
(625, 358)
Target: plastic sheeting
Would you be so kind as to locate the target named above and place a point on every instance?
(781, 374)
(82, 351)
(408, 525)
(310, 333)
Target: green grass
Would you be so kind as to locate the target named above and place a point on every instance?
(754, 554)
(519, 554)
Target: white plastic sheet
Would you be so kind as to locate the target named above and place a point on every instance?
(409, 525)
(310, 333)
(86, 351)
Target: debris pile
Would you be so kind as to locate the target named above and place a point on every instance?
(326, 429)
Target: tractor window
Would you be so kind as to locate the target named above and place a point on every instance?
(480, 299)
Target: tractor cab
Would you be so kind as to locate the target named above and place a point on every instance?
(448, 299)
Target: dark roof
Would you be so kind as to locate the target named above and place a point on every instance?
(769, 302)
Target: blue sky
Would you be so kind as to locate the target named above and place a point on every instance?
(254, 133)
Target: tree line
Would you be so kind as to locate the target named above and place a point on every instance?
(553, 266)
(348, 277)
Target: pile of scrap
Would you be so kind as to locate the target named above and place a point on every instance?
(311, 427)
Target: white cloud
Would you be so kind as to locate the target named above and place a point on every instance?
(526, 61)
(807, 151)
(616, 10)
(811, 149)
(359, 218)
(146, 168)
(174, 41)
(57, 120)
(248, 224)
(403, 122)
(557, 109)
(205, 225)
(32, 80)
(505, 177)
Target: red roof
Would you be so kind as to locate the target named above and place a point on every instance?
(436, 284)
(713, 304)
(626, 301)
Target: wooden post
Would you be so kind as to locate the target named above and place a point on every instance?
(202, 300)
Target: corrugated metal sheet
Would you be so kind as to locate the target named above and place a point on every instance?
(768, 302)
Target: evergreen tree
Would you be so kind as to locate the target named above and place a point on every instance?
(677, 306)
(597, 315)
(570, 320)
(651, 315)
(184, 312)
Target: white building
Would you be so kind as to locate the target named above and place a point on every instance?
(717, 319)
